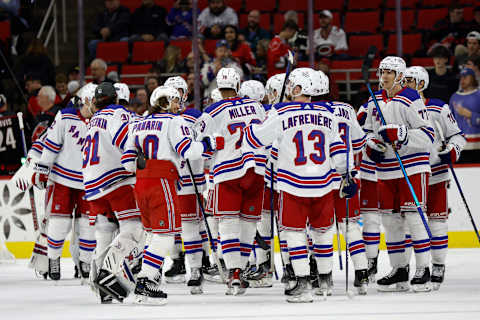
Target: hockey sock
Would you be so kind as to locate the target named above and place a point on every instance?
(309, 243)
(104, 234)
(192, 242)
(264, 229)
(204, 236)
(284, 248)
(175, 252)
(247, 235)
(421, 242)
(230, 230)
(394, 238)
(356, 247)
(371, 233)
(58, 228)
(439, 229)
(213, 224)
(297, 248)
(75, 242)
(86, 239)
(154, 256)
(323, 249)
(408, 247)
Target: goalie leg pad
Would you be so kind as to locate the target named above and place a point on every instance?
(58, 228)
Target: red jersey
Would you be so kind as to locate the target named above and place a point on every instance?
(244, 54)
(277, 56)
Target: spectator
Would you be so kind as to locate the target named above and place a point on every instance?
(61, 85)
(142, 97)
(253, 33)
(33, 84)
(215, 17)
(475, 23)
(46, 99)
(291, 15)
(36, 61)
(149, 22)
(4, 107)
(474, 64)
(443, 82)
(329, 40)
(190, 103)
(172, 61)
(260, 70)
(278, 49)
(465, 105)
(241, 51)
(73, 74)
(451, 30)
(112, 25)
(472, 49)
(98, 68)
(180, 18)
(151, 83)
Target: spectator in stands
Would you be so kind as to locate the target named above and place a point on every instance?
(4, 107)
(46, 99)
(474, 64)
(475, 23)
(215, 17)
(240, 50)
(451, 30)
(33, 84)
(253, 33)
(259, 72)
(462, 53)
(180, 18)
(151, 83)
(36, 61)
(443, 82)
(278, 49)
(149, 22)
(172, 61)
(142, 97)
(62, 89)
(98, 68)
(329, 40)
(191, 92)
(189, 62)
(465, 105)
(291, 15)
(73, 74)
(112, 25)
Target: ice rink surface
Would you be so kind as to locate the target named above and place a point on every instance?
(22, 296)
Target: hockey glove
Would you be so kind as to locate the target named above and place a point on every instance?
(361, 118)
(213, 143)
(40, 175)
(394, 133)
(375, 150)
(348, 187)
(449, 154)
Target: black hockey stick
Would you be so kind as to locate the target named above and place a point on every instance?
(339, 245)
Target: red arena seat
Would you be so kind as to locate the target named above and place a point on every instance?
(113, 51)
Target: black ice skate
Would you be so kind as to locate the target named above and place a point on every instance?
(54, 268)
(261, 277)
(76, 273)
(395, 281)
(211, 272)
(237, 285)
(438, 272)
(421, 280)
(361, 281)
(84, 271)
(149, 292)
(109, 285)
(313, 272)
(196, 280)
(288, 278)
(325, 285)
(177, 272)
(372, 269)
(301, 292)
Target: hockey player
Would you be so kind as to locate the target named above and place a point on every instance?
(443, 152)
(109, 190)
(238, 189)
(411, 134)
(60, 167)
(163, 137)
(252, 89)
(309, 147)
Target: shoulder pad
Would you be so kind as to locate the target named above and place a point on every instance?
(410, 94)
(193, 113)
(69, 110)
(435, 102)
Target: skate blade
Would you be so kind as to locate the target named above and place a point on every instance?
(323, 292)
(196, 290)
(398, 287)
(362, 290)
(215, 278)
(422, 287)
(262, 283)
(436, 285)
(143, 300)
(176, 279)
(303, 298)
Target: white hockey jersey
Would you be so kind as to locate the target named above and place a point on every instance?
(107, 133)
(442, 119)
(368, 168)
(228, 118)
(405, 108)
(309, 147)
(62, 148)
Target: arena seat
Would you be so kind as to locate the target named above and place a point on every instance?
(147, 51)
(390, 4)
(358, 22)
(350, 64)
(358, 45)
(210, 45)
(410, 43)
(336, 5)
(468, 13)
(266, 5)
(131, 4)
(424, 62)
(362, 4)
(285, 5)
(436, 3)
(428, 17)
(5, 31)
(390, 20)
(184, 45)
(236, 5)
(113, 51)
(136, 69)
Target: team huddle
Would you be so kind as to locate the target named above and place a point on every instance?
(135, 185)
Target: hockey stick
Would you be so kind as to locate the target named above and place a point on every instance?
(450, 165)
(202, 209)
(365, 67)
(349, 294)
(339, 245)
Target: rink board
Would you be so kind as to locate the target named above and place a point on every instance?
(15, 214)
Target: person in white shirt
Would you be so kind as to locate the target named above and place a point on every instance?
(329, 40)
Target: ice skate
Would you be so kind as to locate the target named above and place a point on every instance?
(109, 285)
(196, 280)
(211, 272)
(301, 292)
(262, 277)
(361, 281)
(421, 280)
(313, 272)
(176, 274)
(149, 292)
(54, 269)
(84, 271)
(288, 278)
(325, 285)
(395, 281)
(438, 273)
(372, 269)
(237, 285)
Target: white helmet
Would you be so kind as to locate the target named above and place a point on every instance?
(324, 83)
(123, 92)
(87, 92)
(178, 83)
(163, 91)
(252, 89)
(393, 63)
(215, 95)
(306, 79)
(228, 78)
(419, 74)
(273, 87)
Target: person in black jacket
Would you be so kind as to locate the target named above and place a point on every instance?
(112, 25)
(149, 22)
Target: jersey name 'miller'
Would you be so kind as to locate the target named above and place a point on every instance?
(147, 125)
(241, 111)
(98, 123)
(309, 118)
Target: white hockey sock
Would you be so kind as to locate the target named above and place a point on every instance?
(213, 224)
(75, 241)
(204, 236)
(297, 248)
(192, 243)
(160, 245)
(284, 248)
(247, 235)
(323, 249)
(356, 247)
(86, 239)
(58, 228)
(264, 229)
(421, 242)
(175, 252)
(395, 238)
(230, 230)
(439, 229)
(371, 233)
(104, 234)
